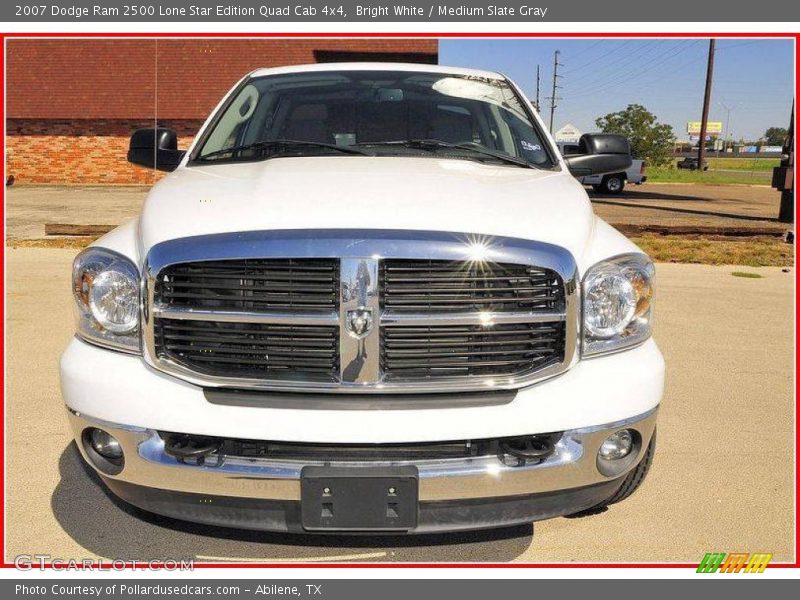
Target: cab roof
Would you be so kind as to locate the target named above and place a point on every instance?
(375, 66)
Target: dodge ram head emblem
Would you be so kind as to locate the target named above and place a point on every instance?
(359, 322)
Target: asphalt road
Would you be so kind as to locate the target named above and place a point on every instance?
(721, 480)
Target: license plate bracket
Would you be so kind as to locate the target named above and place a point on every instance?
(359, 498)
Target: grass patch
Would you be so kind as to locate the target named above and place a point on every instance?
(760, 251)
(669, 175)
(746, 275)
(744, 164)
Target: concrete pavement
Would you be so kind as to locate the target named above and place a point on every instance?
(722, 479)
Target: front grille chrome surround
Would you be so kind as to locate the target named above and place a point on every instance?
(379, 343)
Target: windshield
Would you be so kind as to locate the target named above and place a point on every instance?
(476, 118)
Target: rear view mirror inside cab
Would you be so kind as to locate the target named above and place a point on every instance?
(388, 95)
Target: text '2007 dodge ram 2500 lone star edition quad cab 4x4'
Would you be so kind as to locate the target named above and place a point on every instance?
(368, 298)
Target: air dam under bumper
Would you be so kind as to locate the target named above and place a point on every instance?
(454, 494)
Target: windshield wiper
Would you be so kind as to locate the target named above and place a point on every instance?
(277, 147)
(433, 145)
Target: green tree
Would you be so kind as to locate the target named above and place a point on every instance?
(649, 139)
(776, 136)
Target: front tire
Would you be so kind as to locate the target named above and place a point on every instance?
(613, 184)
(635, 478)
(630, 484)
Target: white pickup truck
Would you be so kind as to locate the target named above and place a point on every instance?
(609, 183)
(368, 298)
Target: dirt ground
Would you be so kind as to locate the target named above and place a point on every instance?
(722, 479)
(678, 204)
(30, 207)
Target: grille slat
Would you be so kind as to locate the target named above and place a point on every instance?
(435, 285)
(413, 301)
(273, 351)
(270, 299)
(457, 288)
(399, 347)
(249, 349)
(469, 351)
(251, 284)
(262, 285)
(455, 330)
(248, 328)
(418, 353)
(267, 343)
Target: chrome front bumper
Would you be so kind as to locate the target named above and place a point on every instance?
(572, 465)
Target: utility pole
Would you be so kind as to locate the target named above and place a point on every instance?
(783, 176)
(701, 149)
(536, 104)
(554, 98)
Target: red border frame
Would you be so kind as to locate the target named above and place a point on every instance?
(248, 565)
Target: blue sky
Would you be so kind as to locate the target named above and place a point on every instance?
(752, 77)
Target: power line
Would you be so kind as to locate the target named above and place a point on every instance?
(748, 43)
(655, 61)
(594, 85)
(585, 50)
(625, 78)
(660, 79)
(591, 89)
(597, 58)
(626, 60)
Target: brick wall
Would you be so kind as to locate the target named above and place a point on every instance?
(80, 151)
(72, 104)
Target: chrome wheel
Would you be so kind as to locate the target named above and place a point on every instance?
(614, 184)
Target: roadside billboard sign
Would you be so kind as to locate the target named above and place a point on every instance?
(713, 128)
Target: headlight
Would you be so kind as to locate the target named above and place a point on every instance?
(617, 303)
(106, 290)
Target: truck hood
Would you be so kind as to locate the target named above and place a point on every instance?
(352, 192)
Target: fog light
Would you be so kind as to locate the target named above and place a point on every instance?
(106, 445)
(617, 445)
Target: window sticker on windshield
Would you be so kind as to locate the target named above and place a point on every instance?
(526, 145)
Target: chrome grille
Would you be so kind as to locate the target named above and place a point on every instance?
(365, 311)
(470, 350)
(435, 285)
(251, 284)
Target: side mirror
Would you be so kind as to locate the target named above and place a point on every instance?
(155, 148)
(600, 153)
